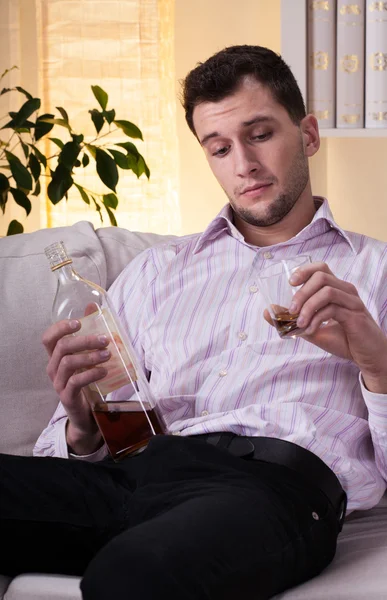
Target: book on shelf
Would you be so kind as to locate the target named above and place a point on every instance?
(376, 65)
(350, 70)
(321, 73)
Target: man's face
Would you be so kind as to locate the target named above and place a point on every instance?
(255, 152)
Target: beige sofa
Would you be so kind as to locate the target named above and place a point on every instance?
(27, 402)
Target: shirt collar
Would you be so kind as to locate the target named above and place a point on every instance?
(223, 224)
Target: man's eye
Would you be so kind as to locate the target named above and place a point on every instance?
(221, 151)
(262, 137)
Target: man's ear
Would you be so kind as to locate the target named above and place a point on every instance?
(310, 135)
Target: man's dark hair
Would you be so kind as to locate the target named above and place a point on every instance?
(220, 75)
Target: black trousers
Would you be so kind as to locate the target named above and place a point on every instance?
(183, 520)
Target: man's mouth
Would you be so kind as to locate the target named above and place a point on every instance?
(254, 190)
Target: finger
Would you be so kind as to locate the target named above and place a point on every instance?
(322, 316)
(328, 297)
(329, 337)
(57, 331)
(267, 317)
(69, 345)
(302, 274)
(74, 363)
(78, 381)
(318, 281)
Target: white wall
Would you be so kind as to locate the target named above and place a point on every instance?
(202, 27)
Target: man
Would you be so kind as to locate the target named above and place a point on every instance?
(271, 436)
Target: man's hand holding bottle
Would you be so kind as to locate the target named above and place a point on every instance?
(74, 363)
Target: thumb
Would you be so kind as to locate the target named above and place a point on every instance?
(267, 317)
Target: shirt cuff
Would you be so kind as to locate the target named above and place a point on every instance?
(377, 407)
(62, 448)
(94, 457)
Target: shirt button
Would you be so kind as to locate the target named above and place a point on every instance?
(242, 335)
(205, 413)
(267, 255)
(222, 373)
(253, 289)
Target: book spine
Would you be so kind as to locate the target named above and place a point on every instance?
(350, 70)
(321, 34)
(376, 65)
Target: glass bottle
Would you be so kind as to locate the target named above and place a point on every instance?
(122, 402)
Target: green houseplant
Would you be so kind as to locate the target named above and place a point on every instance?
(23, 163)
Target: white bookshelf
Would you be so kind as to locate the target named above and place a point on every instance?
(294, 52)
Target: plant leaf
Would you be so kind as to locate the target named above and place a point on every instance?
(22, 91)
(78, 138)
(84, 196)
(34, 166)
(63, 113)
(69, 154)
(100, 95)
(39, 155)
(92, 149)
(107, 169)
(25, 148)
(85, 160)
(130, 148)
(20, 118)
(142, 167)
(21, 199)
(97, 118)
(10, 156)
(58, 142)
(19, 172)
(15, 227)
(42, 127)
(60, 183)
(110, 200)
(129, 129)
(26, 129)
(120, 159)
(4, 187)
(60, 122)
(36, 191)
(111, 216)
(109, 115)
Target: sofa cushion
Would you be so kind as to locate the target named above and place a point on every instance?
(26, 295)
(358, 570)
(44, 587)
(121, 246)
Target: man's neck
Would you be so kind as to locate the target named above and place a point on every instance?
(299, 217)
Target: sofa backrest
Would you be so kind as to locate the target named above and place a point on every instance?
(27, 289)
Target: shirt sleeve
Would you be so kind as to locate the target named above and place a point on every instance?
(377, 420)
(52, 440)
(126, 295)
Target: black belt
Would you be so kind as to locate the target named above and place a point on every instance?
(281, 452)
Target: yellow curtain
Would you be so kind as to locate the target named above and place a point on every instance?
(125, 47)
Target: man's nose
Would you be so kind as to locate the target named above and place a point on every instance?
(246, 161)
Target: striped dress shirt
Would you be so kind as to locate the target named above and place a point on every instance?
(193, 309)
